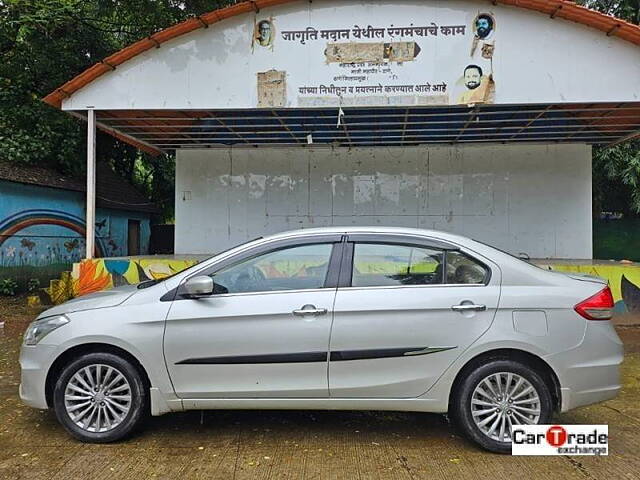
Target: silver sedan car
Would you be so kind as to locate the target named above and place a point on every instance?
(332, 318)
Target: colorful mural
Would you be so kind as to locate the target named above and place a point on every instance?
(13, 225)
(90, 276)
(624, 281)
(37, 244)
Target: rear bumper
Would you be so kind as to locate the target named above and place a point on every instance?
(34, 364)
(590, 373)
(571, 399)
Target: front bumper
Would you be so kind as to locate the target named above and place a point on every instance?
(590, 372)
(35, 362)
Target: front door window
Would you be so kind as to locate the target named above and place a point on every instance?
(295, 268)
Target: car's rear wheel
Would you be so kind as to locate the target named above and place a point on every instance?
(496, 397)
(99, 397)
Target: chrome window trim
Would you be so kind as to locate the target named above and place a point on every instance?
(267, 292)
(437, 285)
(409, 240)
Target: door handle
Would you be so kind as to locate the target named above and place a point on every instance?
(468, 307)
(309, 309)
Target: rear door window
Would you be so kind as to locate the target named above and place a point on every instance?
(464, 270)
(380, 264)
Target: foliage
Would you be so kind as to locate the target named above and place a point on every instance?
(616, 176)
(33, 284)
(44, 43)
(616, 169)
(8, 287)
(617, 239)
(628, 10)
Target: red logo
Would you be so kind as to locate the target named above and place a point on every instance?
(556, 436)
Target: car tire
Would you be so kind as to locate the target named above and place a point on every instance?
(108, 389)
(469, 418)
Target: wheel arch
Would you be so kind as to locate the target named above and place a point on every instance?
(95, 347)
(527, 358)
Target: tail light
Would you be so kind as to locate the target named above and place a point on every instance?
(597, 307)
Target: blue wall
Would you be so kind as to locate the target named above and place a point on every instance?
(41, 230)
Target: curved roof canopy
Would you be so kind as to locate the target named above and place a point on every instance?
(425, 120)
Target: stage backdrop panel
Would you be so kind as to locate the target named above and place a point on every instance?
(534, 199)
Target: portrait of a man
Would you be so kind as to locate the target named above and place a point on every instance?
(476, 84)
(472, 76)
(264, 33)
(483, 25)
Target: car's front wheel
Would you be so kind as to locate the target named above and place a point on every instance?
(496, 397)
(100, 398)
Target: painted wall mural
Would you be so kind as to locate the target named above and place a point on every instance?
(16, 232)
(37, 244)
(624, 281)
(89, 276)
(95, 275)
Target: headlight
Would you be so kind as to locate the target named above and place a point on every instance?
(40, 328)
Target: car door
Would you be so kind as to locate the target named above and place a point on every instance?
(265, 330)
(405, 309)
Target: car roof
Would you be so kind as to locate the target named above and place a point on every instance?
(371, 229)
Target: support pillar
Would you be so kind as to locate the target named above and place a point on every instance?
(91, 184)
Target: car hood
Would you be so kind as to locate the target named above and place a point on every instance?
(92, 301)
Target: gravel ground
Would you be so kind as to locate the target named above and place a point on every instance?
(295, 445)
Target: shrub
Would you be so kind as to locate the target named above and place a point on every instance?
(8, 287)
(33, 284)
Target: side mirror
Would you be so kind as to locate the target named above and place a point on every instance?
(200, 286)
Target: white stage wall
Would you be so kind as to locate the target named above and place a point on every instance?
(522, 198)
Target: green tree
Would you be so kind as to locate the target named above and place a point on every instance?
(616, 178)
(44, 43)
(628, 10)
(616, 169)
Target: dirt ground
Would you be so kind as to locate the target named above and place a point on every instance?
(296, 445)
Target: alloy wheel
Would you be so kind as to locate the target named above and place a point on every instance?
(97, 398)
(503, 400)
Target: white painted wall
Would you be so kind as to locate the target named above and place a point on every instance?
(526, 198)
(537, 59)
